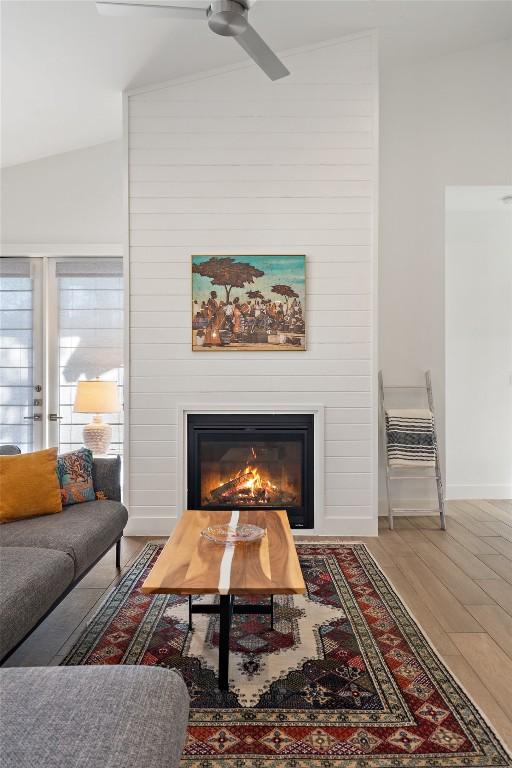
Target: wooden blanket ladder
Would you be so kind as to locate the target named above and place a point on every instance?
(403, 474)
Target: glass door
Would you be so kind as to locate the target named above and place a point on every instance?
(22, 396)
(61, 321)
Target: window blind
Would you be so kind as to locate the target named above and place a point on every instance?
(90, 344)
(16, 352)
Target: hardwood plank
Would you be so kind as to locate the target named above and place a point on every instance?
(479, 528)
(413, 536)
(497, 622)
(483, 698)
(504, 546)
(467, 562)
(493, 511)
(504, 504)
(500, 564)
(475, 544)
(379, 553)
(471, 509)
(425, 522)
(402, 524)
(420, 611)
(500, 590)
(394, 544)
(452, 616)
(453, 577)
(490, 663)
(502, 529)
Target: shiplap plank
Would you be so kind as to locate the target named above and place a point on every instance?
(249, 221)
(253, 393)
(248, 156)
(175, 205)
(154, 140)
(285, 89)
(323, 111)
(246, 125)
(258, 180)
(231, 367)
(275, 383)
(162, 349)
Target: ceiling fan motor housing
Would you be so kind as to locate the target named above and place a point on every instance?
(227, 18)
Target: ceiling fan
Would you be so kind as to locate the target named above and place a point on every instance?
(228, 18)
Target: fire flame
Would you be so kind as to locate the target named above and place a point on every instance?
(254, 481)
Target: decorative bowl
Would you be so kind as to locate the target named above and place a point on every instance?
(227, 534)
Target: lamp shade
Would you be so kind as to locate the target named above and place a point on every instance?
(96, 397)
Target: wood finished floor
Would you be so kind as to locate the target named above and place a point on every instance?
(457, 584)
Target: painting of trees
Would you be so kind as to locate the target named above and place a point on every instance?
(262, 306)
(286, 291)
(255, 295)
(227, 272)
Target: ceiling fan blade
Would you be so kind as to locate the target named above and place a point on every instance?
(150, 10)
(259, 51)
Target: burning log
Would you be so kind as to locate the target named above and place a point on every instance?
(232, 486)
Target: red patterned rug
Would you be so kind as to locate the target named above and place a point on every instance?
(344, 680)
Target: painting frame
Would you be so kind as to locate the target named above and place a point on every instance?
(248, 302)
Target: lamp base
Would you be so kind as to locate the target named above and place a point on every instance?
(97, 435)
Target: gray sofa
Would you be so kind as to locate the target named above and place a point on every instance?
(92, 717)
(42, 558)
(85, 716)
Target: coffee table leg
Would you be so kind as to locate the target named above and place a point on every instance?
(225, 623)
(190, 611)
(271, 611)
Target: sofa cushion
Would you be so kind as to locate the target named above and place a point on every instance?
(74, 470)
(29, 485)
(83, 531)
(92, 717)
(31, 579)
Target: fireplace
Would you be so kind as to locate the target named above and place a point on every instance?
(252, 461)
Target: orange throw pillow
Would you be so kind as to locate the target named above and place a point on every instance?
(29, 485)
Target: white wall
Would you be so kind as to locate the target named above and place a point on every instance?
(233, 163)
(479, 352)
(443, 122)
(75, 197)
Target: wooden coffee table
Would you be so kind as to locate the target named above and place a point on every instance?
(191, 565)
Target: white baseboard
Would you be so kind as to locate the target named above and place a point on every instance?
(149, 526)
(350, 526)
(479, 491)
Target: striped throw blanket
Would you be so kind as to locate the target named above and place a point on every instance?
(411, 438)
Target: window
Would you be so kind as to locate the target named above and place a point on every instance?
(16, 353)
(78, 304)
(90, 340)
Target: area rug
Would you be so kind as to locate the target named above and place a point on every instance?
(345, 679)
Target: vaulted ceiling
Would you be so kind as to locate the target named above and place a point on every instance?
(64, 67)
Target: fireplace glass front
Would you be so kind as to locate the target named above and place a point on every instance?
(252, 461)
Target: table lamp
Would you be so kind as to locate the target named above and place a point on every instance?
(97, 397)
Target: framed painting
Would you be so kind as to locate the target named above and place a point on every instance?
(249, 303)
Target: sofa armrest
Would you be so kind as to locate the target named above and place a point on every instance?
(106, 477)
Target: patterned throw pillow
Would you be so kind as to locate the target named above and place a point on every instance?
(74, 471)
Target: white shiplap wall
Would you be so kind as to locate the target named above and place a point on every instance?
(233, 163)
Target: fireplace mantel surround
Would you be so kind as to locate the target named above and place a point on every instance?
(317, 411)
